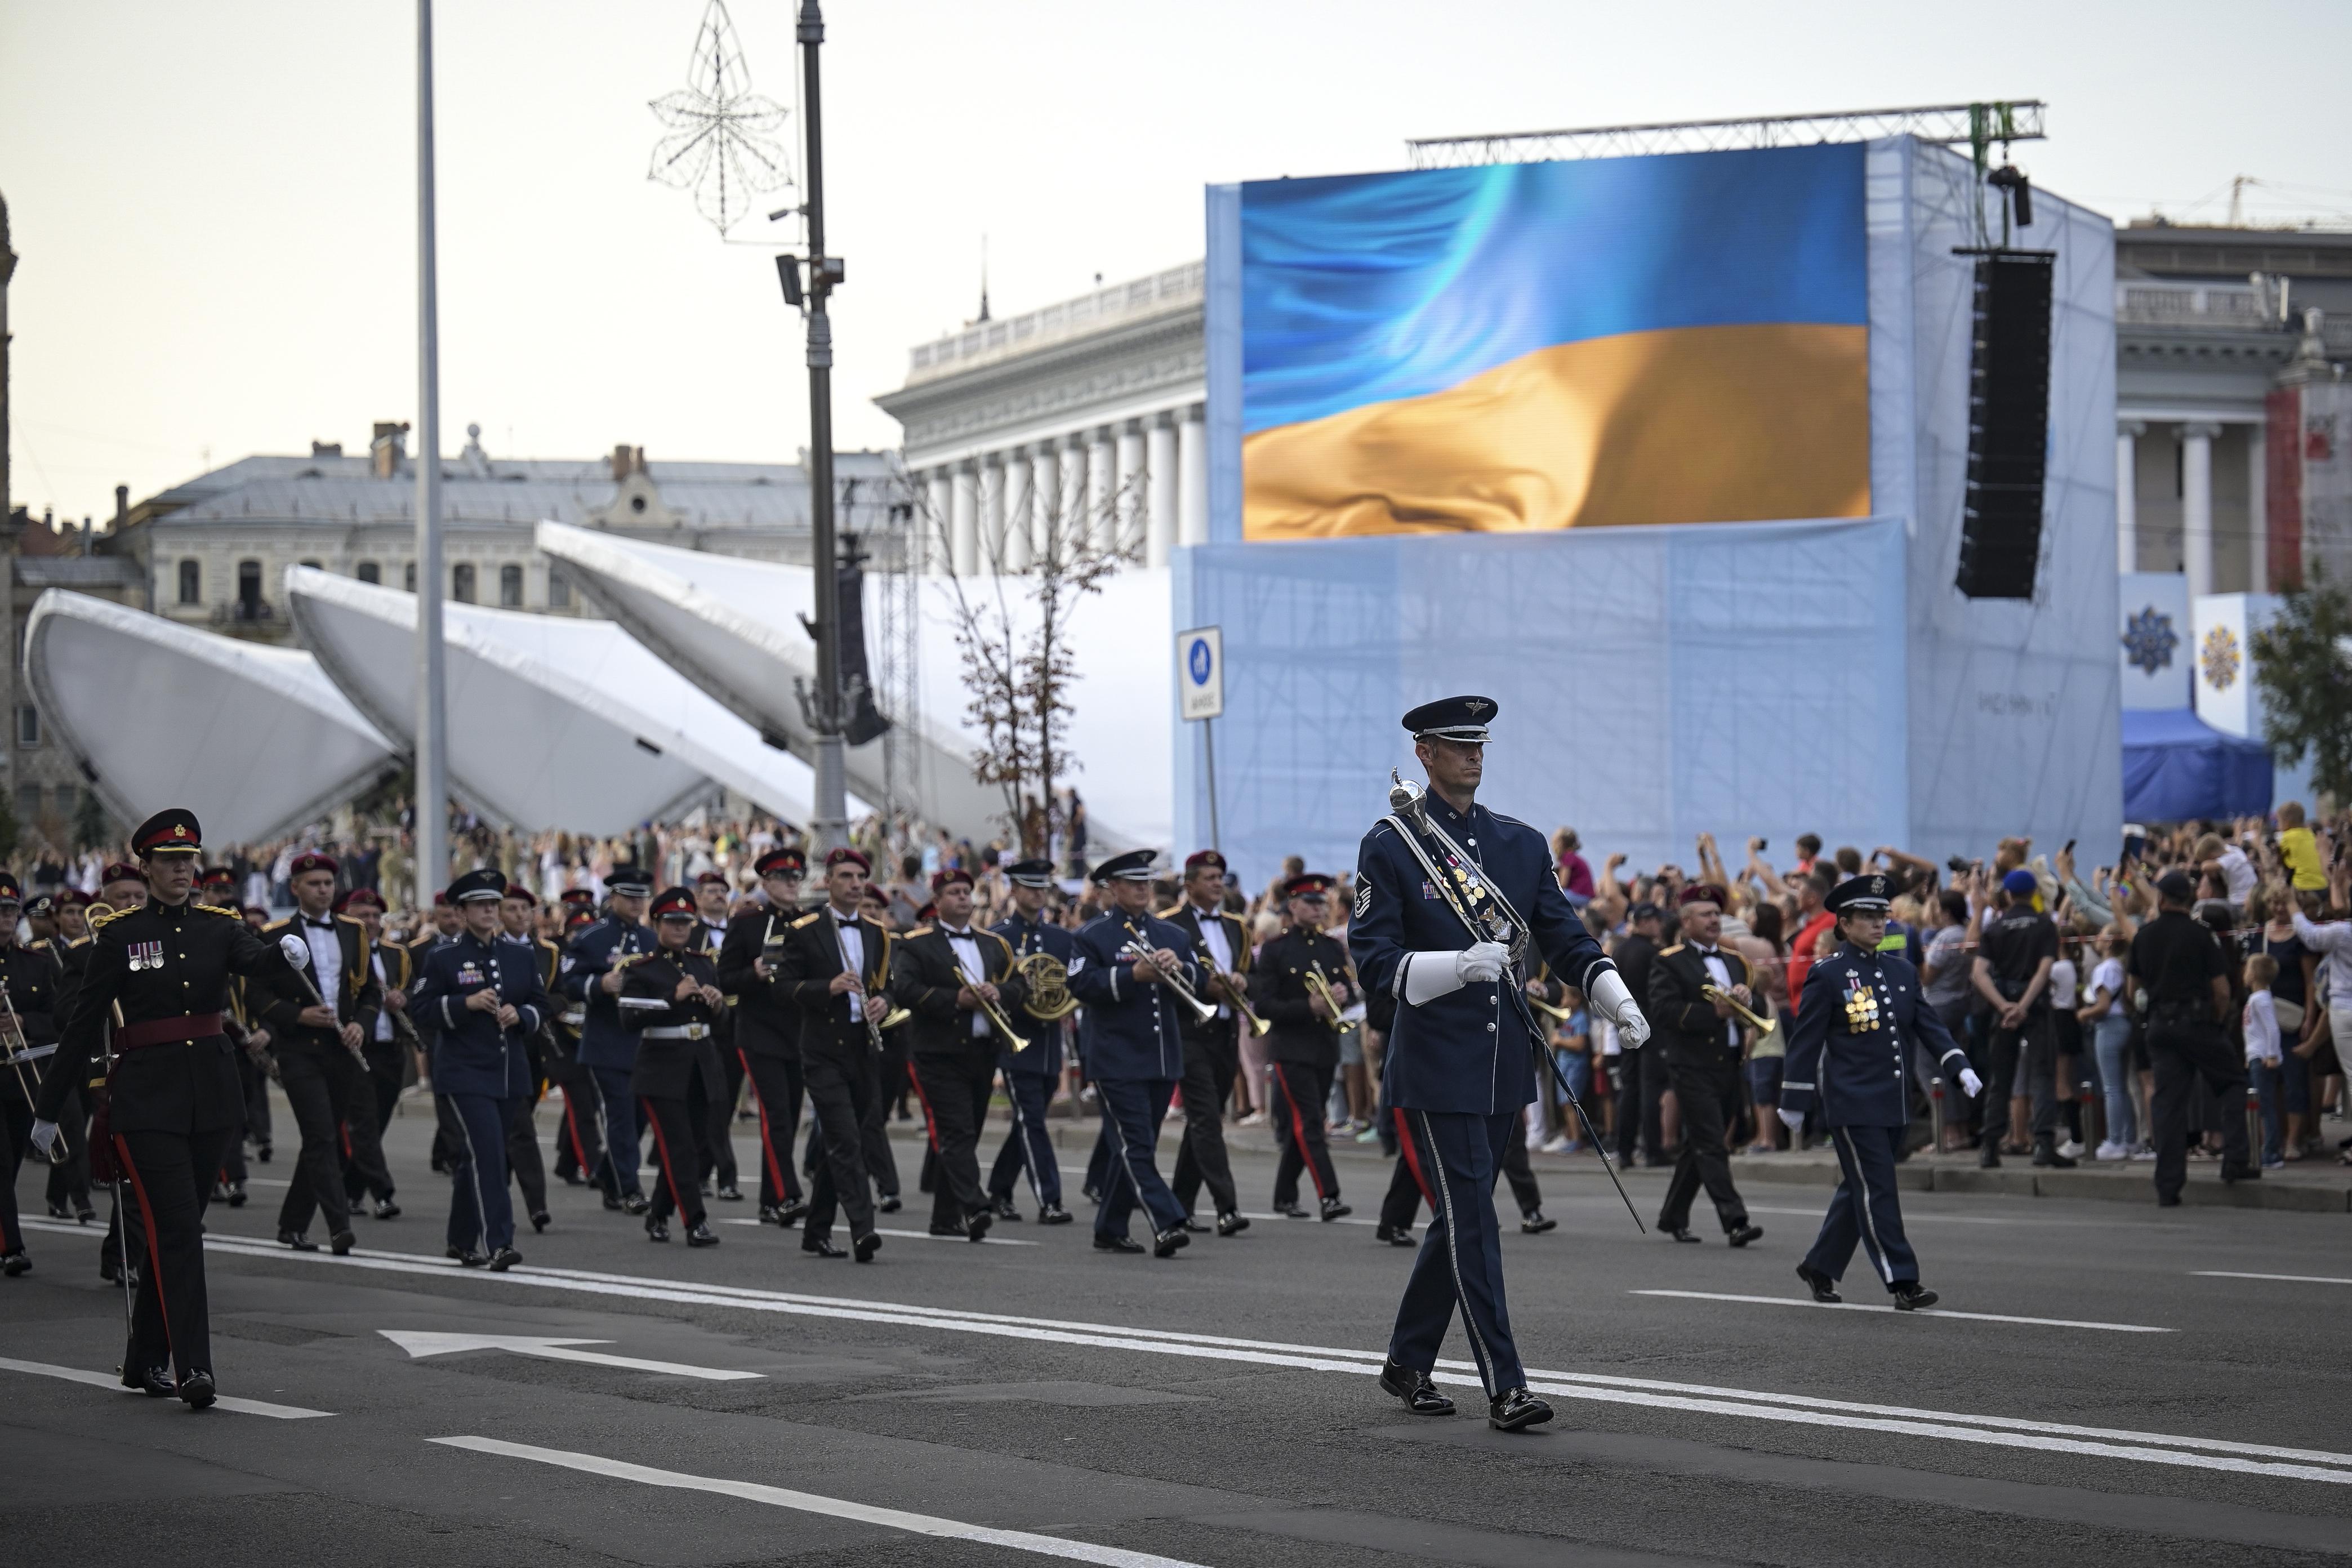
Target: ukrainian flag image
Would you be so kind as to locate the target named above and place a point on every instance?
(1533, 346)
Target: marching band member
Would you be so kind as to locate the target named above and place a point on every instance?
(712, 894)
(593, 969)
(1303, 1047)
(1213, 1052)
(317, 1025)
(518, 915)
(1031, 1076)
(1700, 1036)
(768, 1027)
(836, 967)
(31, 980)
(943, 973)
(673, 1052)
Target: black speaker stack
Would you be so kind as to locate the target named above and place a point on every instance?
(2008, 425)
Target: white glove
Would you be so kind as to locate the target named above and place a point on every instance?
(1970, 1084)
(1429, 975)
(1481, 963)
(1794, 1120)
(44, 1134)
(1609, 994)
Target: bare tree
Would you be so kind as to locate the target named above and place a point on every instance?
(1012, 621)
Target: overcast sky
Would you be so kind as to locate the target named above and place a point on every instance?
(215, 203)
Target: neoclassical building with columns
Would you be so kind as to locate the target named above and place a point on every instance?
(1087, 411)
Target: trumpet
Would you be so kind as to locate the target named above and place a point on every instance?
(1745, 1015)
(1234, 988)
(1202, 1010)
(1557, 1014)
(1045, 988)
(1319, 985)
(1002, 1025)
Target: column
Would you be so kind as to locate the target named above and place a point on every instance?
(1192, 477)
(1020, 501)
(995, 486)
(1160, 519)
(2128, 435)
(1132, 487)
(2258, 510)
(934, 528)
(2196, 505)
(963, 530)
(1049, 511)
(1102, 489)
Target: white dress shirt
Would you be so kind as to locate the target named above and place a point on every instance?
(967, 951)
(326, 958)
(1720, 972)
(1213, 937)
(853, 952)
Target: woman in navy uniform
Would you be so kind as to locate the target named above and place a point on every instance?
(1849, 1056)
(173, 1100)
(1461, 1060)
(681, 1003)
(1135, 1047)
(484, 996)
(1030, 1076)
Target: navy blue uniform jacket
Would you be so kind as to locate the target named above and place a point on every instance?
(1025, 936)
(1466, 1052)
(1846, 1052)
(471, 1055)
(604, 1040)
(1136, 1031)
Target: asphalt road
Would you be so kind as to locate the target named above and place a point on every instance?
(2107, 1384)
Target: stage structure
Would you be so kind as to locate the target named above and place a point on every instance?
(1668, 455)
(733, 628)
(554, 722)
(140, 700)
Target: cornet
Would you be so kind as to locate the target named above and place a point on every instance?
(1319, 987)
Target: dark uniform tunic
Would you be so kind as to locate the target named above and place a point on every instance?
(1302, 1051)
(1135, 1057)
(319, 1074)
(69, 1183)
(768, 1044)
(173, 1101)
(1212, 1059)
(838, 1062)
(1851, 1055)
(608, 1049)
(1031, 1076)
(675, 1053)
(479, 1071)
(32, 980)
(1702, 1056)
(954, 1051)
(2175, 959)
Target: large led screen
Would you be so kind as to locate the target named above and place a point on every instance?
(1537, 346)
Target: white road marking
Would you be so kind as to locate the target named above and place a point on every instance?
(915, 1235)
(2148, 1448)
(109, 1381)
(2289, 1278)
(1922, 1312)
(810, 1502)
(419, 1345)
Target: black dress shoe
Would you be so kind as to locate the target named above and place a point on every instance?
(975, 1225)
(109, 1269)
(86, 1215)
(236, 1201)
(1516, 1409)
(821, 1246)
(1395, 1235)
(943, 1228)
(1231, 1223)
(1195, 1226)
(1680, 1233)
(571, 1178)
(57, 1211)
(1419, 1394)
(729, 1193)
(1534, 1222)
(2046, 1155)
(1824, 1288)
(1289, 1210)
(1054, 1214)
(790, 1214)
(542, 1220)
(889, 1204)
(1910, 1295)
(1092, 1196)
(154, 1381)
(2167, 1200)
(261, 1152)
(1988, 1155)
(387, 1209)
(864, 1247)
(611, 1203)
(2240, 1173)
(1745, 1234)
(656, 1228)
(14, 1263)
(636, 1204)
(504, 1258)
(467, 1257)
(196, 1389)
(297, 1241)
(1169, 1242)
(1334, 1209)
(1004, 1208)
(341, 1242)
(768, 1213)
(701, 1234)
(1119, 1243)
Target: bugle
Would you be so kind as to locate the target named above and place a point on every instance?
(1745, 1013)
(1203, 1011)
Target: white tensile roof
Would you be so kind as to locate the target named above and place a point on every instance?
(733, 627)
(255, 740)
(554, 722)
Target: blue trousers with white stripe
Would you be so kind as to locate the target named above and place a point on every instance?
(482, 1214)
(1028, 1145)
(1460, 1259)
(1864, 1209)
(1132, 1111)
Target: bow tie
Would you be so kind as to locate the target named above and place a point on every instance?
(845, 919)
(964, 935)
(318, 925)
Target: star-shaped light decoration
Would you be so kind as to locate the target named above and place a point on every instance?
(719, 145)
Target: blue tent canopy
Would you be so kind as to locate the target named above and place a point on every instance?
(2176, 767)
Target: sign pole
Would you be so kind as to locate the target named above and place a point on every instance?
(1201, 696)
(1209, 734)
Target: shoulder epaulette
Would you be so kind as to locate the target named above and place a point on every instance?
(1674, 950)
(918, 931)
(80, 941)
(219, 910)
(278, 925)
(99, 923)
(1170, 914)
(1004, 944)
(347, 920)
(809, 919)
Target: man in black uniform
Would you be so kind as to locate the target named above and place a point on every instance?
(517, 911)
(942, 974)
(1699, 1036)
(2015, 955)
(2180, 966)
(682, 985)
(1641, 1075)
(768, 1027)
(29, 981)
(836, 967)
(712, 895)
(317, 1018)
(581, 1145)
(1302, 1049)
(173, 1100)
(1213, 1053)
(375, 1090)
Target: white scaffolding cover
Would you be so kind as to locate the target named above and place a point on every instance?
(733, 627)
(255, 740)
(554, 722)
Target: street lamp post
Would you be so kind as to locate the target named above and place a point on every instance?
(827, 709)
(432, 715)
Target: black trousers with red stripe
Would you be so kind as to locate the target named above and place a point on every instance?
(776, 1086)
(168, 1178)
(1300, 1091)
(579, 1144)
(677, 1156)
(954, 1091)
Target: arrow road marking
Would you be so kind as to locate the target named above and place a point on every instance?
(832, 1508)
(109, 1381)
(1922, 1312)
(420, 1345)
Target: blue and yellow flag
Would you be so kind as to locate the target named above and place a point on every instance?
(1556, 345)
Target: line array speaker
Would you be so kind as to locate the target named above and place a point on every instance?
(2009, 425)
